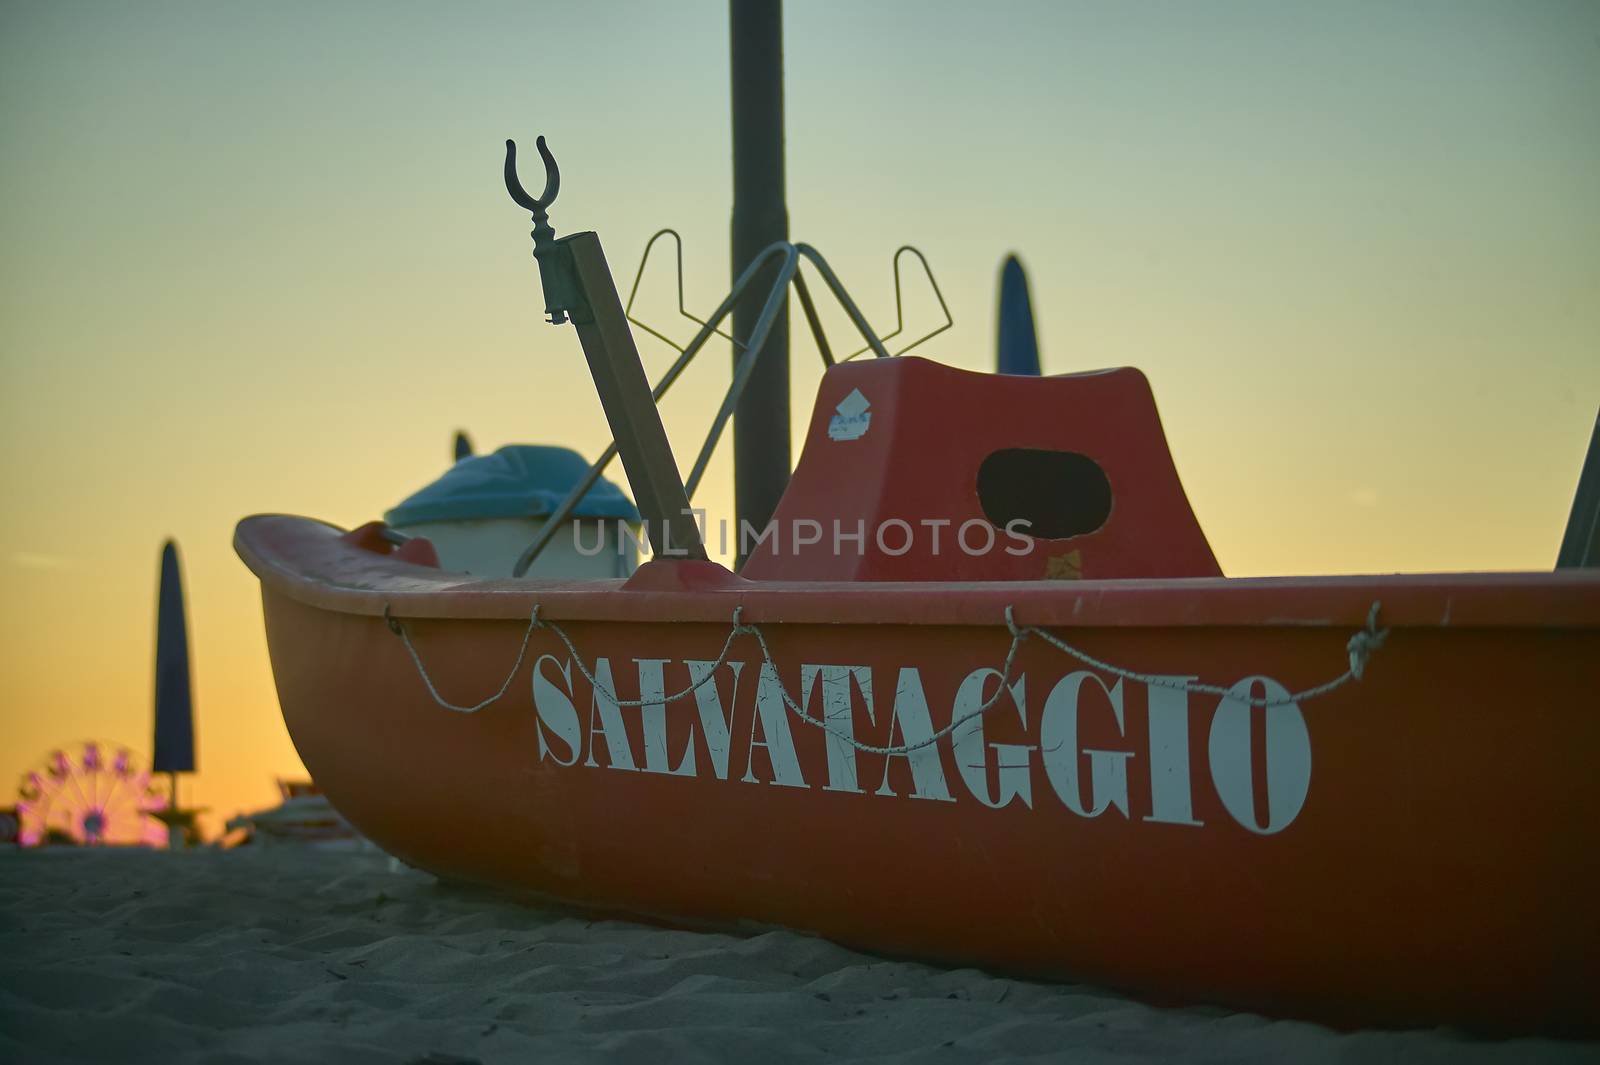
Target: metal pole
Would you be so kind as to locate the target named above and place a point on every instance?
(760, 217)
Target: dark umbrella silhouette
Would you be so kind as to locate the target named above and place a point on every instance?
(1016, 345)
(174, 727)
(1581, 545)
(463, 445)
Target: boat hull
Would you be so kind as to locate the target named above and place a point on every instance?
(1417, 846)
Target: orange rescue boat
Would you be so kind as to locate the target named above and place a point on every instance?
(1363, 800)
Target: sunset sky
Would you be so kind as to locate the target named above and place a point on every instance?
(258, 257)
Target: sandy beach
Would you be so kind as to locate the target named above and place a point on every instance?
(290, 955)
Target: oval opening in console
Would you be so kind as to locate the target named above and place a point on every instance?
(1058, 493)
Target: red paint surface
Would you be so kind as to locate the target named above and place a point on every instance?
(1442, 869)
(931, 428)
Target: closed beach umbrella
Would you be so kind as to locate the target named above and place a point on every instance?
(463, 445)
(1017, 346)
(174, 739)
(1580, 546)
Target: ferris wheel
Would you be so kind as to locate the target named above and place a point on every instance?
(80, 795)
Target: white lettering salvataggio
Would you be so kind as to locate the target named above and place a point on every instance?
(1090, 782)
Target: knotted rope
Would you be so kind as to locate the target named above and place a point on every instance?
(1360, 646)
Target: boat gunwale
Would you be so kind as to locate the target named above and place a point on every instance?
(306, 560)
